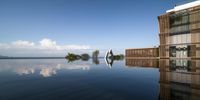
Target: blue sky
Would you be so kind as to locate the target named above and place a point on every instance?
(87, 24)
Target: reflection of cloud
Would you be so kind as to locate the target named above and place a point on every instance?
(46, 69)
(76, 66)
(52, 70)
(47, 72)
(25, 70)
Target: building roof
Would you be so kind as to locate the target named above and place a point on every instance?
(185, 6)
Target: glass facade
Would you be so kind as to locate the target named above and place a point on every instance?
(179, 23)
(180, 51)
(180, 33)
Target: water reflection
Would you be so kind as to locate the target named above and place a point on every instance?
(180, 65)
(179, 79)
(152, 63)
(25, 70)
(79, 80)
(95, 60)
(109, 62)
(46, 68)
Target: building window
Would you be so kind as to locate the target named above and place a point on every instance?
(172, 51)
(179, 22)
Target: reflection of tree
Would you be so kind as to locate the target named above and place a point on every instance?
(71, 60)
(72, 57)
(95, 60)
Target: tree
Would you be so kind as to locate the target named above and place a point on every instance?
(95, 54)
(72, 57)
(118, 57)
(85, 57)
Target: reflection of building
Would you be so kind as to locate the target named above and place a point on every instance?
(180, 31)
(179, 79)
(144, 53)
(142, 63)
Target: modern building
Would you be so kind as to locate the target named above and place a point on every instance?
(179, 32)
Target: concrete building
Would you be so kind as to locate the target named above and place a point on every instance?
(142, 53)
(179, 33)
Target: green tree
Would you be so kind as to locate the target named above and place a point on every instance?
(85, 57)
(72, 57)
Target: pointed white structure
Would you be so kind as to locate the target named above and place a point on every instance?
(108, 61)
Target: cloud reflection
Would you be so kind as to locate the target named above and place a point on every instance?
(51, 70)
(44, 68)
(47, 72)
(25, 70)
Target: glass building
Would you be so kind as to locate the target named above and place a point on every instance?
(180, 31)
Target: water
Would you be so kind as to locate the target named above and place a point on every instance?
(56, 79)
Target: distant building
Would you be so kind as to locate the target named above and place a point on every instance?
(179, 32)
(142, 53)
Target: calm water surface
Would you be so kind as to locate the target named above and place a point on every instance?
(56, 79)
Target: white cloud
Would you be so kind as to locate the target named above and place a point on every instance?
(21, 43)
(48, 43)
(42, 47)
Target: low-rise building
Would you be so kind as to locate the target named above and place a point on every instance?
(142, 53)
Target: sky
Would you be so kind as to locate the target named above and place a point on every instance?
(55, 27)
